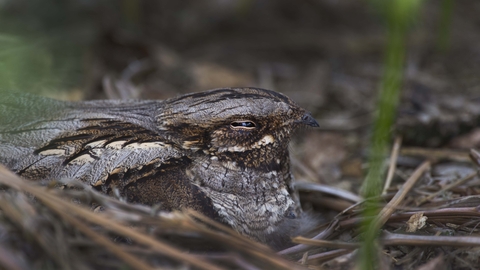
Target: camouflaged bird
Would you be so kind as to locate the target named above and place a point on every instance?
(222, 152)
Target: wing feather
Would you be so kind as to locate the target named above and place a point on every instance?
(89, 141)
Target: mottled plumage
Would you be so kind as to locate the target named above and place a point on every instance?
(223, 152)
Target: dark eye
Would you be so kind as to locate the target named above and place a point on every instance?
(243, 124)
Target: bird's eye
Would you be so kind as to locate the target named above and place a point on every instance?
(243, 124)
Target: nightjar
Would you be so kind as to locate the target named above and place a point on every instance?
(222, 152)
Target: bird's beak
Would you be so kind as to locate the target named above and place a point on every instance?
(308, 120)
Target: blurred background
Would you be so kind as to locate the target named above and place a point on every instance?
(346, 61)
(327, 55)
(313, 50)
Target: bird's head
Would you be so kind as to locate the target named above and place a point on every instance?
(247, 125)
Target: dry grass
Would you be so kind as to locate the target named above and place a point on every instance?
(57, 229)
(42, 227)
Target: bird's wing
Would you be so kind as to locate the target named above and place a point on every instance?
(91, 141)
